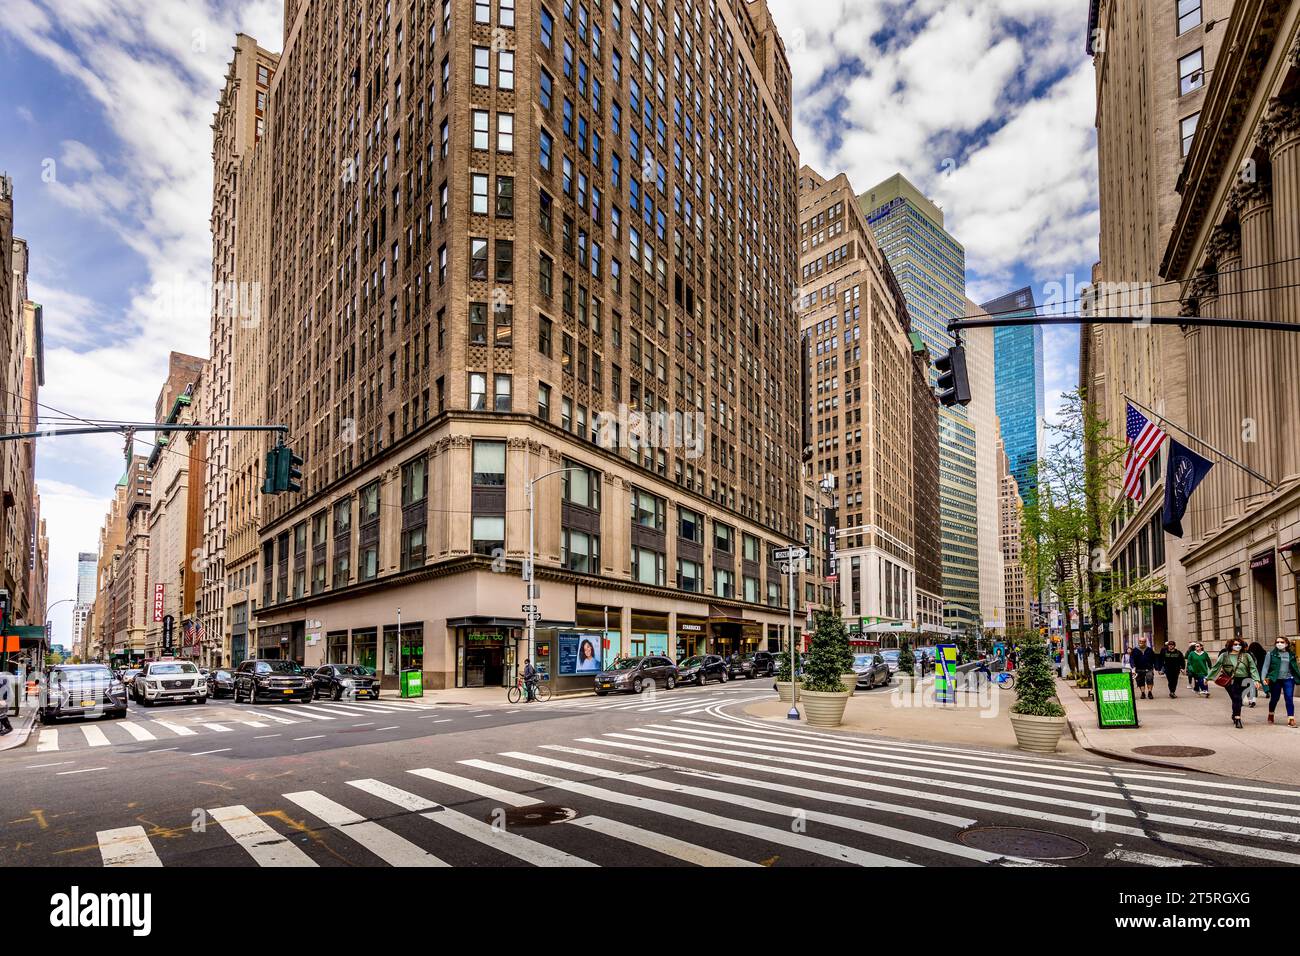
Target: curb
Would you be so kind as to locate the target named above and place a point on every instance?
(1080, 735)
(23, 727)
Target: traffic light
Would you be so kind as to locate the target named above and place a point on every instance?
(294, 482)
(283, 471)
(271, 471)
(953, 384)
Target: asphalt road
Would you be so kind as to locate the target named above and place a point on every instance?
(678, 779)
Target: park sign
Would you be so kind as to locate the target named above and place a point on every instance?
(1113, 691)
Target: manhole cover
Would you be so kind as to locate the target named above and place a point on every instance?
(1018, 841)
(538, 815)
(1165, 750)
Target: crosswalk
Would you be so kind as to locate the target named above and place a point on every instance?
(697, 702)
(725, 790)
(178, 723)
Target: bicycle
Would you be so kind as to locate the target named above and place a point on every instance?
(1005, 679)
(541, 691)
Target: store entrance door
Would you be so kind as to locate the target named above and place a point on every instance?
(485, 665)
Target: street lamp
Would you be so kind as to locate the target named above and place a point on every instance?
(530, 591)
(48, 622)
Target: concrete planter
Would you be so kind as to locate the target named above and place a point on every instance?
(822, 709)
(783, 691)
(1038, 735)
(850, 682)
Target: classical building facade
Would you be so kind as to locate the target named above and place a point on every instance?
(1234, 250)
(860, 396)
(123, 604)
(506, 239)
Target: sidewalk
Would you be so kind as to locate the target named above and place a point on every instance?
(978, 719)
(23, 723)
(1257, 752)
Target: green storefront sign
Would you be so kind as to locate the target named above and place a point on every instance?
(412, 683)
(1113, 690)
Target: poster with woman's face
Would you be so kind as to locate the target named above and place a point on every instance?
(579, 654)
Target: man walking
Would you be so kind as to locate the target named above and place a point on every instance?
(1143, 660)
(7, 697)
(1173, 662)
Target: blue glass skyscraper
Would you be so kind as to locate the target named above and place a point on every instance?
(1021, 398)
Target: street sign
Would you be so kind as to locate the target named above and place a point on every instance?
(159, 590)
(168, 629)
(789, 554)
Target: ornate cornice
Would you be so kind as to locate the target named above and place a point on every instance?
(1225, 243)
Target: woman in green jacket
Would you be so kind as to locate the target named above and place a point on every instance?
(1280, 673)
(1198, 665)
(1239, 664)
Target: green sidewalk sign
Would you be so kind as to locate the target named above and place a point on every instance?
(413, 683)
(1112, 687)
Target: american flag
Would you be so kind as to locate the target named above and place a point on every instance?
(1144, 440)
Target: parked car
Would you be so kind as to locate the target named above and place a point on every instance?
(80, 690)
(337, 681)
(891, 661)
(169, 679)
(221, 683)
(127, 676)
(262, 681)
(740, 666)
(764, 663)
(637, 674)
(872, 670)
(703, 668)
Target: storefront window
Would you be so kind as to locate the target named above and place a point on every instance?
(365, 647)
(336, 647)
(481, 656)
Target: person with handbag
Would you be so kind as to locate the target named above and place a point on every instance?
(1198, 666)
(1174, 661)
(1234, 669)
(1280, 672)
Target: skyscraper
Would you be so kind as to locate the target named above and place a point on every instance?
(86, 571)
(1021, 398)
(530, 253)
(931, 269)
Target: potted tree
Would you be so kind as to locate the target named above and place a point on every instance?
(784, 679)
(823, 693)
(1037, 716)
(906, 666)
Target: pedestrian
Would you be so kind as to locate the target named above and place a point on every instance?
(1173, 664)
(1198, 665)
(1144, 660)
(1257, 651)
(530, 678)
(1280, 672)
(1240, 667)
(7, 697)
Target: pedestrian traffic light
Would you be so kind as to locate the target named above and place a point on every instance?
(953, 384)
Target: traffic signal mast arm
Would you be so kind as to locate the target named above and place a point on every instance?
(993, 322)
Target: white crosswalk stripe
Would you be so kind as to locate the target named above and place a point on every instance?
(263, 844)
(272, 717)
(660, 843)
(178, 729)
(508, 797)
(137, 730)
(314, 713)
(126, 846)
(48, 740)
(94, 735)
(216, 728)
(388, 846)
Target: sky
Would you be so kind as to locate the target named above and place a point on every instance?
(986, 105)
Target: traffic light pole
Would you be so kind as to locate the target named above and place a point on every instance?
(123, 429)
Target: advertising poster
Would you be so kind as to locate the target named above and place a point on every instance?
(1113, 690)
(579, 654)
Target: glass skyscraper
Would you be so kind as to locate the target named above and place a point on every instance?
(931, 267)
(1021, 398)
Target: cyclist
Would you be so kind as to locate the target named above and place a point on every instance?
(982, 670)
(530, 680)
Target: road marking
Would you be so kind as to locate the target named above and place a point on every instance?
(264, 736)
(358, 708)
(161, 750)
(218, 728)
(508, 797)
(1146, 859)
(368, 723)
(177, 729)
(312, 737)
(340, 708)
(95, 737)
(383, 843)
(758, 831)
(136, 730)
(263, 844)
(126, 846)
(394, 727)
(445, 720)
(660, 843)
(253, 723)
(204, 753)
(315, 713)
(49, 740)
(482, 715)
(278, 720)
(519, 847)
(57, 763)
(64, 773)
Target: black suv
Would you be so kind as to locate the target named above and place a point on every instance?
(81, 690)
(637, 674)
(764, 663)
(740, 666)
(337, 681)
(703, 668)
(262, 681)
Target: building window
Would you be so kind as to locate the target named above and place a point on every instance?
(647, 566)
(480, 129)
(503, 315)
(501, 400)
(1189, 15)
(478, 184)
(413, 548)
(505, 261)
(478, 323)
(489, 534)
(1191, 75)
(477, 392)
(505, 197)
(505, 132)
(545, 275)
(581, 486)
(580, 551)
(1187, 130)
(415, 481)
(647, 510)
(690, 525)
(544, 401)
(481, 59)
(689, 575)
(489, 464)
(506, 13)
(506, 70)
(751, 589)
(752, 551)
(482, 11)
(478, 259)
(369, 561)
(545, 334)
(723, 537)
(548, 28)
(724, 583)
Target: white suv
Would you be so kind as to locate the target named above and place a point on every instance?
(169, 680)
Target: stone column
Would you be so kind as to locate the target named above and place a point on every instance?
(1225, 399)
(1253, 204)
(1201, 300)
(459, 459)
(1279, 133)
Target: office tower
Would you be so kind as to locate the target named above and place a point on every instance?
(1021, 392)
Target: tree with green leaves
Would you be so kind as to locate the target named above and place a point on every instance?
(1035, 683)
(829, 655)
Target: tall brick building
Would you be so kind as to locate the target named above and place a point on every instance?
(501, 232)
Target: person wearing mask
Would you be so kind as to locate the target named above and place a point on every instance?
(1174, 662)
(1198, 665)
(8, 686)
(1239, 664)
(1143, 661)
(1280, 672)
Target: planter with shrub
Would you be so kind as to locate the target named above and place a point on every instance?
(783, 678)
(823, 693)
(1037, 716)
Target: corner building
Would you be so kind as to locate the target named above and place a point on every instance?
(500, 232)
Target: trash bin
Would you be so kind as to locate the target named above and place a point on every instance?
(412, 683)
(1116, 697)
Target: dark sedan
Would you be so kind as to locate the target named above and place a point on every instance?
(221, 683)
(703, 668)
(82, 690)
(340, 681)
(262, 681)
(637, 675)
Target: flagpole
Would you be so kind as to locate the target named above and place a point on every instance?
(1201, 441)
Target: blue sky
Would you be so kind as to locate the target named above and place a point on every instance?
(986, 105)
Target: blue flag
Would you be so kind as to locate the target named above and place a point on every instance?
(1186, 470)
